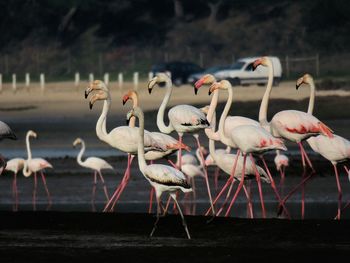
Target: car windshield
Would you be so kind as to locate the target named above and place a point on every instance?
(214, 69)
(237, 65)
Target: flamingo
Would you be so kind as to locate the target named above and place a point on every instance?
(163, 178)
(123, 138)
(182, 119)
(335, 149)
(35, 165)
(94, 163)
(281, 162)
(6, 132)
(15, 165)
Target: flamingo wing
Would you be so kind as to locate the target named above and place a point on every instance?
(97, 163)
(187, 117)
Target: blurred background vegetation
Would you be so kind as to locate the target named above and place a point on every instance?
(62, 37)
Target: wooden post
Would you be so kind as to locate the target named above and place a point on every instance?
(287, 66)
(136, 80)
(14, 85)
(0, 83)
(120, 80)
(91, 77)
(150, 75)
(42, 82)
(27, 77)
(106, 78)
(317, 65)
(76, 79)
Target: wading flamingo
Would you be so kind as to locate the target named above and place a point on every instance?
(15, 165)
(36, 165)
(182, 119)
(96, 164)
(123, 138)
(281, 162)
(163, 178)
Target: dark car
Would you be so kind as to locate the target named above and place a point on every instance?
(212, 70)
(180, 71)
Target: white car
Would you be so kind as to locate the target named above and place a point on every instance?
(241, 72)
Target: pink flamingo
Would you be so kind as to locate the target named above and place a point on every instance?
(15, 165)
(281, 162)
(335, 149)
(163, 178)
(182, 119)
(123, 138)
(36, 165)
(96, 164)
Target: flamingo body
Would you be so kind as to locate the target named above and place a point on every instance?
(281, 160)
(15, 165)
(37, 164)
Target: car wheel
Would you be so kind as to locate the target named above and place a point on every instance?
(177, 82)
(234, 81)
(276, 81)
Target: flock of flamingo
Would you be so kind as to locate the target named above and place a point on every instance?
(250, 138)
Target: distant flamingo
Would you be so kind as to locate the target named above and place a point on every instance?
(35, 165)
(281, 162)
(123, 138)
(6, 132)
(335, 149)
(96, 164)
(162, 177)
(15, 165)
(182, 118)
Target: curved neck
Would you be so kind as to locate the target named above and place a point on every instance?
(26, 172)
(211, 141)
(29, 152)
(140, 149)
(135, 103)
(160, 116)
(101, 130)
(210, 116)
(265, 100)
(224, 115)
(80, 155)
(310, 109)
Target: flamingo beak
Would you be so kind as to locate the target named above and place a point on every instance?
(299, 82)
(197, 85)
(151, 84)
(125, 99)
(213, 87)
(90, 105)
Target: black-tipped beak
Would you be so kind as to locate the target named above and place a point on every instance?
(90, 105)
(209, 92)
(86, 94)
(149, 91)
(195, 90)
(124, 101)
(127, 122)
(297, 87)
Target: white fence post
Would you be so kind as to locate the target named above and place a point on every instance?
(14, 85)
(76, 79)
(42, 82)
(91, 77)
(106, 78)
(136, 80)
(120, 80)
(0, 83)
(150, 75)
(27, 77)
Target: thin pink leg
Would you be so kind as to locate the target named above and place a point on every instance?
(226, 199)
(151, 193)
(306, 156)
(180, 152)
(104, 186)
(172, 163)
(303, 185)
(339, 190)
(258, 180)
(241, 183)
(247, 191)
(273, 185)
(282, 173)
(347, 172)
(216, 177)
(34, 191)
(167, 205)
(46, 188)
(205, 174)
(228, 182)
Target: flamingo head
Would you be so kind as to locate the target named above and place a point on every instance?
(101, 95)
(77, 141)
(129, 96)
(207, 79)
(307, 79)
(95, 85)
(159, 79)
(31, 133)
(223, 84)
(264, 61)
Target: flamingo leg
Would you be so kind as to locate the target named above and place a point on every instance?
(180, 152)
(306, 157)
(347, 171)
(241, 183)
(34, 191)
(247, 191)
(273, 185)
(182, 216)
(194, 205)
(258, 180)
(104, 185)
(46, 188)
(229, 180)
(281, 185)
(216, 177)
(151, 193)
(172, 163)
(205, 173)
(167, 206)
(158, 213)
(339, 190)
(226, 199)
(94, 192)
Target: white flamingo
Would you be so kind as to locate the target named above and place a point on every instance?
(162, 177)
(182, 119)
(96, 164)
(36, 165)
(15, 165)
(123, 138)
(335, 149)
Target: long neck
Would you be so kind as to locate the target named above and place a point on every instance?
(310, 109)
(135, 103)
(140, 149)
(211, 112)
(160, 116)
(199, 158)
(224, 115)
(265, 101)
(26, 172)
(101, 129)
(29, 152)
(80, 155)
(211, 141)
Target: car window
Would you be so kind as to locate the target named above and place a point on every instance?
(237, 65)
(249, 67)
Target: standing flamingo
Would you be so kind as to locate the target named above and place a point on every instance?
(163, 178)
(335, 149)
(15, 165)
(35, 165)
(96, 164)
(123, 138)
(182, 119)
